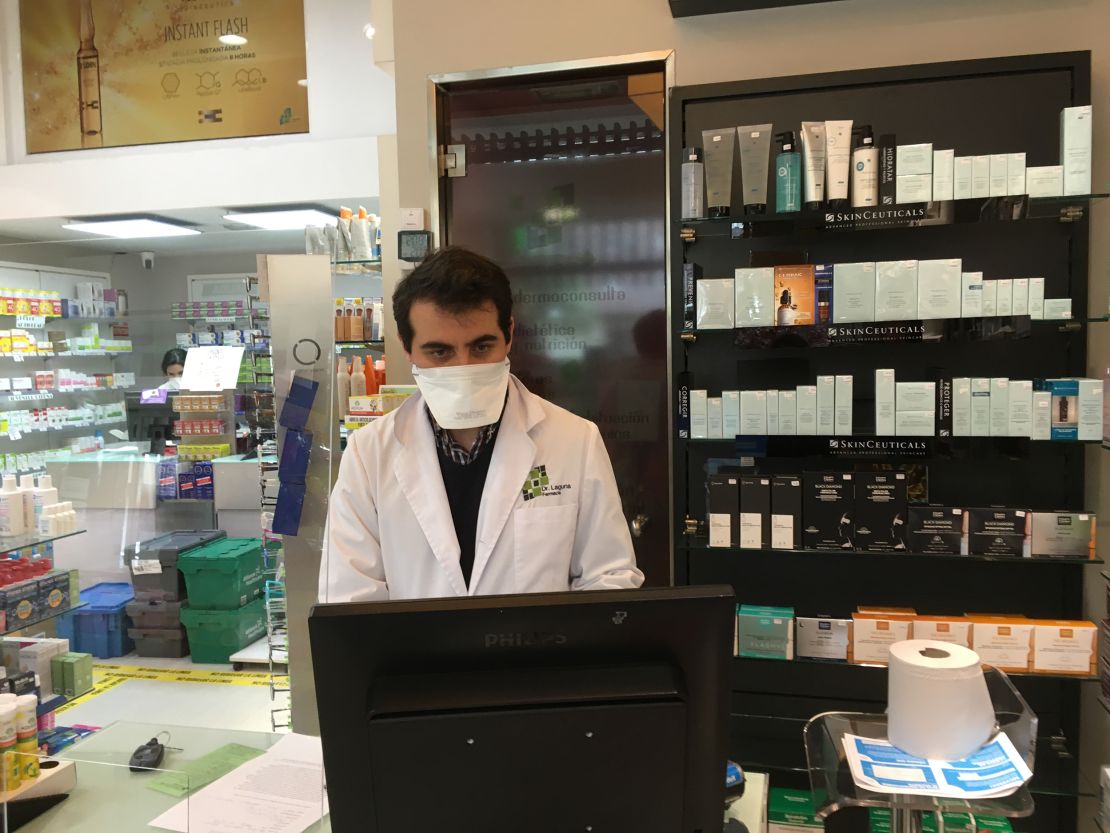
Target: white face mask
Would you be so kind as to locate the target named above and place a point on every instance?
(464, 396)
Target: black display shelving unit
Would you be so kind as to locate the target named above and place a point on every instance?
(978, 107)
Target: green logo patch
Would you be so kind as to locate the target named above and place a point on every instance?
(537, 479)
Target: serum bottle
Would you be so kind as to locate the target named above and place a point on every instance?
(693, 185)
(88, 82)
(865, 168)
(788, 174)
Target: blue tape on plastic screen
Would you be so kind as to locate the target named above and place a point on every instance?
(287, 513)
(294, 413)
(295, 451)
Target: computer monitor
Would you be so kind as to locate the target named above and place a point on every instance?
(600, 710)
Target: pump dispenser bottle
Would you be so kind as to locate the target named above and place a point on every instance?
(342, 385)
(788, 174)
(45, 494)
(865, 168)
(11, 507)
(358, 378)
(27, 492)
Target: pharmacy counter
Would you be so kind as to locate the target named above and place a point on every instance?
(108, 796)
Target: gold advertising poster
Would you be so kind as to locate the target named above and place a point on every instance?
(106, 73)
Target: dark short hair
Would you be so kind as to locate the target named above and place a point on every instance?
(173, 356)
(457, 281)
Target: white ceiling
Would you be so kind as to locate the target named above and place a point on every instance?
(218, 236)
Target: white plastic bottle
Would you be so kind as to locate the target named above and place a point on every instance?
(865, 168)
(27, 491)
(45, 494)
(11, 508)
(342, 386)
(70, 517)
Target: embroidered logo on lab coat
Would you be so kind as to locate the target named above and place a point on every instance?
(539, 484)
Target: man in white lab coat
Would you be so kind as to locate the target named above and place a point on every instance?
(476, 486)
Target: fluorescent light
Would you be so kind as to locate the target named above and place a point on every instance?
(294, 219)
(131, 229)
(233, 40)
(368, 30)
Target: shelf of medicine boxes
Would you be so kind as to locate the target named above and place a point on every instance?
(699, 547)
(46, 395)
(48, 431)
(932, 331)
(772, 747)
(65, 354)
(918, 215)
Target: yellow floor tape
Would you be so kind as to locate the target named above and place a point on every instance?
(108, 676)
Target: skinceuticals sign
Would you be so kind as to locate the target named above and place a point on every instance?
(106, 73)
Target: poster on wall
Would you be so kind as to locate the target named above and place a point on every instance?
(109, 73)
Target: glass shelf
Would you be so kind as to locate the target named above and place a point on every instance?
(53, 615)
(357, 345)
(66, 355)
(877, 218)
(371, 262)
(740, 663)
(25, 434)
(701, 546)
(19, 542)
(861, 449)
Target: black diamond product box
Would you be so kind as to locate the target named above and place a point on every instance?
(938, 530)
(997, 531)
(828, 506)
(755, 513)
(881, 511)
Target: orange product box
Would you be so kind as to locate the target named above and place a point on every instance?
(874, 630)
(953, 629)
(1002, 641)
(795, 296)
(1065, 647)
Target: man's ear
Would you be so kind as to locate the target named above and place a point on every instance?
(512, 332)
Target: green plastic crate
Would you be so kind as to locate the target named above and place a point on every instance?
(214, 635)
(224, 574)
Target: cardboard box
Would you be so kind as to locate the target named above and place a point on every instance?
(874, 633)
(971, 298)
(730, 413)
(766, 632)
(73, 674)
(1062, 647)
(788, 412)
(1004, 642)
(939, 287)
(792, 811)
(753, 412)
(1004, 300)
(1000, 407)
(1015, 174)
(826, 405)
(715, 417)
(961, 178)
(980, 407)
(990, 299)
(795, 295)
(997, 531)
(756, 302)
(828, 506)
(961, 407)
(953, 629)
(1075, 149)
(914, 159)
(755, 512)
(853, 292)
(699, 414)
(773, 413)
(823, 638)
(723, 505)
(944, 173)
(786, 512)
(913, 189)
(936, 529)
(881, 511)
(1062, 534)
(896, 290)
(716, 304)
(884, 402)
(1021, 408)
(842, 418)
(915, 423)
(806, 401)
(915, 396)
(1045, 181)
(1000, 173)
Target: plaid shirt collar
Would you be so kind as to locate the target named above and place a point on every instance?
(455, 452)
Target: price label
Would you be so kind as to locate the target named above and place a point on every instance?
(211, 368)
(146, 567)
(14, 435)
(30, 322)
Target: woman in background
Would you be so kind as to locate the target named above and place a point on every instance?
(173, 365)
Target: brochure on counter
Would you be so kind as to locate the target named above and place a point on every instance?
(995, 771)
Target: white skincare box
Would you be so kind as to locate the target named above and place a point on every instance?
(981, 407)
(915, 423)
(755, 297)
(715, 417)
(961, 407)
(1020, 297)
(1021, 408)
(1045, 181)
(961, 178)
(1004, 303)
(938, 288)
(699, 415)
(1065, 648)
(788, 412)
(1090, 409)
(1000, 407)
(951, 629)
(1036, 298)
(806, 409)
(1042, 415)
(999, 174)
(884, 402)
(1075, 149)
(944, 162)
(980, 177)
(773, 412)
(826, 405)
(913, 188)
(1057, 309)
(822, 638)
(915, 396)
(842, 420)
(872, 636)
(990, 298)
(853, 292)
(753, 412)
(896, 290)
(1015, 174)
(1003, 643)
(716, 304)
(971, 297)
(730, 412)
(914, 159)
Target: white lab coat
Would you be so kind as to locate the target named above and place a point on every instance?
(390, 533)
